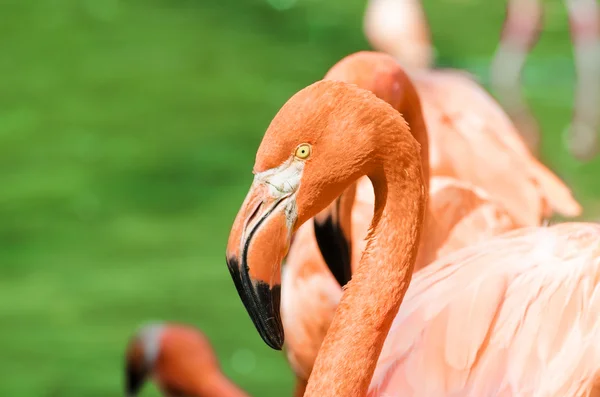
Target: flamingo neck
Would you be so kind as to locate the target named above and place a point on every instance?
(300, 387)
(403, 97)
(217, 385)
(347, 359)
(409, 105)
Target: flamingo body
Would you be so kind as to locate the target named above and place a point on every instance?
(514, 316)
(472, 139)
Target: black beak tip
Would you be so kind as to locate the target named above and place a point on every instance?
(261, 302)
(275, 342)
(134, 380)
(272, 333)
(276, 345)
(264, 311)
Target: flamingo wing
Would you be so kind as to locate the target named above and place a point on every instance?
(514, 316)
(459, 214)
(472, 139)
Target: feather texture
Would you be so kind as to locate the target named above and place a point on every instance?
(472, 139)
(514, 316)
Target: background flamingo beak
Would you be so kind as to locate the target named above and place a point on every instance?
(134, 380)
(258, 242)
(335, 247)
(136, 371)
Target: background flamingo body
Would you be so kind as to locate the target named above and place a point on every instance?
(472, 139)
(459, 215)
(514, 316)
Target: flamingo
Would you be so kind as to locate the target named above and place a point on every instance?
(515, 316)
(321, 141)
(469, 137)
(522, 28)
(458, 213)
(399, 28)
(181, 361)
(479, 146)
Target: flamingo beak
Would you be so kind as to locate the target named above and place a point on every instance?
(335, 247)
(136, 372)
(134, 382)
(258, 242)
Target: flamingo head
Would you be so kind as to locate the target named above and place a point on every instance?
(318, 144)
(140, 357)
(374, 71)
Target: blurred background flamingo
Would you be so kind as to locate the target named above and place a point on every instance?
(522, 28)
(180, 359)
(400, 28)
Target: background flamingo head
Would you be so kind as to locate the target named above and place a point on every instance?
(178, 357)
(374, 71)
(140, 357)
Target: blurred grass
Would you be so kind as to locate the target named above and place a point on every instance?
(127, 135)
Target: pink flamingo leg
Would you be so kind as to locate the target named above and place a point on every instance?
(582, 135)
(522, 28)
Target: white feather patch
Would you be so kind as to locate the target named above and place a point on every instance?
(284, 181)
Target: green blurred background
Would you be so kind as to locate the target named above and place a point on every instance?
(127, 136)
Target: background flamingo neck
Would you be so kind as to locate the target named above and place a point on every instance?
(217, 385)
(348, 356)
(410, 107)
(403, 96)
(407, 103)
(300, 387)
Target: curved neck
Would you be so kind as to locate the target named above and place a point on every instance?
(300, 387)
(410, 108)
(348, 356)
(333, 225)
(217, 385)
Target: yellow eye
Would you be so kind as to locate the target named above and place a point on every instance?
(303, 151)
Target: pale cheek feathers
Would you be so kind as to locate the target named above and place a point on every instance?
(151, 336)
(284, 181)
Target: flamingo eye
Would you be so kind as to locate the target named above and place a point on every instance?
(303, 151)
